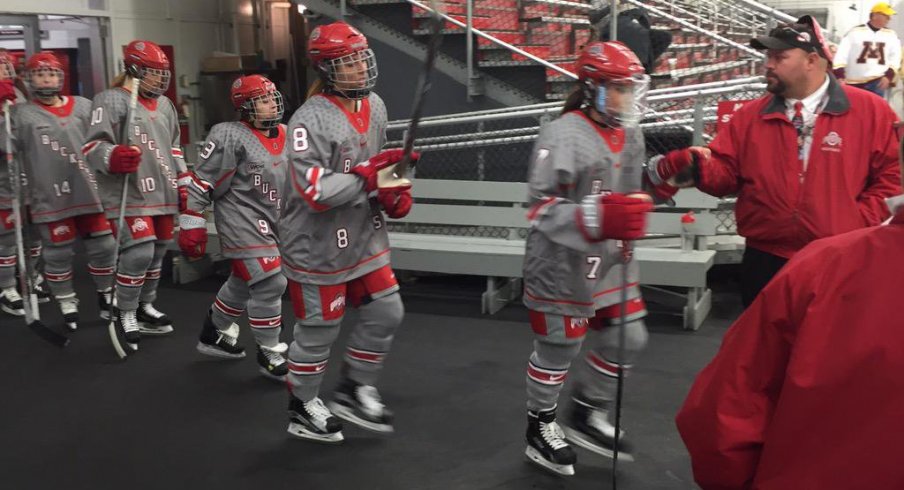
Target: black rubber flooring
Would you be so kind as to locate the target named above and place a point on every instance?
(169, 418)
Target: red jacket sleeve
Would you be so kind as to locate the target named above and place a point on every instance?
(724, 419)
(719, 176)
(884, 170)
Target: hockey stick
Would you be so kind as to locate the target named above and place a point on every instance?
(29, 298)
(620, 386)
(121, 220)
(420, 94)
(627, 256)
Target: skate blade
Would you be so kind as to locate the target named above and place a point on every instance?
(43, 300)
(349, 416)
(105, 315)
(164, 330)
(580, 440)
(301, 432)
(215, 352)
(72, 327)
(535, 457)
(269, 375)
(12, 311)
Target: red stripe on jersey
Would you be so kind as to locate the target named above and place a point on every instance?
(8, 261)
(130, 281)
(634, 307)
(226, 309)
(62, 277)
(550, 377)
(365, 356)
(307, 368)
(362, 262)
(537, 208)
(271, 322)
(223, 178)
(303, 193)
(177, 153)
(100, 271)
(152, 274)
(201, 184)
(612, 290)
(602, 366)
(87, 147)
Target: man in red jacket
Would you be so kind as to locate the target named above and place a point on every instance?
(806, 391)
(811, 159)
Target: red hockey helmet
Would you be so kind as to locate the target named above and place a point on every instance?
(258, 100)
(343, 59)
(614, 80)
(44, 75)
(145, 61)
(7, 66)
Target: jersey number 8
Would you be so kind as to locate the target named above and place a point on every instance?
(300, 139)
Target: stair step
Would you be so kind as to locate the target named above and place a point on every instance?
(515, 38)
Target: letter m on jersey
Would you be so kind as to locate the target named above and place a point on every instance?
(872, 51)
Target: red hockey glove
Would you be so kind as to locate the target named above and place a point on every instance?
(614, 216)
(624, 217)
(7, 91)
(678, 163)
(396, 203)
(368, 170)
(124, 159)
(192, 234)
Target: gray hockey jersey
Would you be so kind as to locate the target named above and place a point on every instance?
(49, 141)
(6, 200)
(331, 231)
(242, 172)
(573, 157)
(153, 189)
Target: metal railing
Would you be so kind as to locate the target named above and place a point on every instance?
(534, 110)
(495, 40)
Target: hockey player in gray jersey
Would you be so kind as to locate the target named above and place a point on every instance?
(586, 181)
(333, 238)
(153, 157)
(242, 170)
(10, 299)
(64, 205)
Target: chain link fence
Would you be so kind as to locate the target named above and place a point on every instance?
(496, 147)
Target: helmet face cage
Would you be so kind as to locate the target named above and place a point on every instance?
(153, 81)
(352, 76)
(37, 81)
(266, 110)
(623, 100)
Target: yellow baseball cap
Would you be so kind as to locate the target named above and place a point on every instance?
(882, 8)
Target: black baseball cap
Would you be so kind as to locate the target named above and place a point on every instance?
(805, 34)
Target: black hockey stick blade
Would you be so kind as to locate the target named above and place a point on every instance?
(43, 331)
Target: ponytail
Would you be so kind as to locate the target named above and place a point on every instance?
(316, 88)
(119, 80)
(574, 101)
